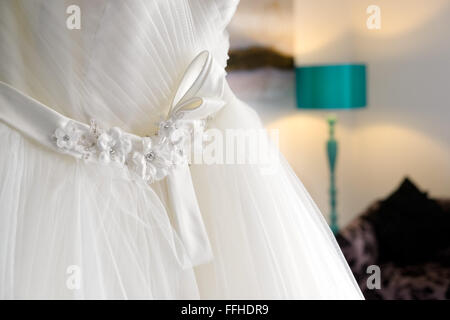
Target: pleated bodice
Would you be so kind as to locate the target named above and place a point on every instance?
(123, 64)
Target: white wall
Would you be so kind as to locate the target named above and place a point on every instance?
(405, 130)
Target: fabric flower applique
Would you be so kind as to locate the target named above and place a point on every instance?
(153, 163)
(166, 127)
(113, 145)
(151, 158)
(67, 136)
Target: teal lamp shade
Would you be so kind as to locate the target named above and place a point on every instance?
(340, 86)
(323, 87)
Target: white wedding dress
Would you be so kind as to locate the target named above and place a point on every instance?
(140, 231)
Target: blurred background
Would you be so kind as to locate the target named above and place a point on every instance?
(393, 161)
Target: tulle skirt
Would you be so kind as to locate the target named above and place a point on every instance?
(69, 229)
(270, 240)
(74, 230)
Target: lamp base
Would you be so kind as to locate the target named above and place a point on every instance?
(332, 148)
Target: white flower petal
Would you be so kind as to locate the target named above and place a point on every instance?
(70, 144)
(147, 144)
(104, 142)
(115, 133)
(125, 145)
(70, 127)
(104, 157)
(59, 133)
(60, 143)
(120, 158)
(150, 170)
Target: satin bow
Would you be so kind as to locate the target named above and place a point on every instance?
(198, 96)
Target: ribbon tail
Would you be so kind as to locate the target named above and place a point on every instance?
(188, 219)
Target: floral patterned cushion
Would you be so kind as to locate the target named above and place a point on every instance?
(359, 246)
(425, 281)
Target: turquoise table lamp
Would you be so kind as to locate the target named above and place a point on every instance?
(331, 87)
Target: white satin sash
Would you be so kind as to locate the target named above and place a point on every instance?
(198, 96)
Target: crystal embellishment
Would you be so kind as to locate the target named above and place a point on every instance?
(150, 156)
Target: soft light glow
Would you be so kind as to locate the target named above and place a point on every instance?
(330, 31)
